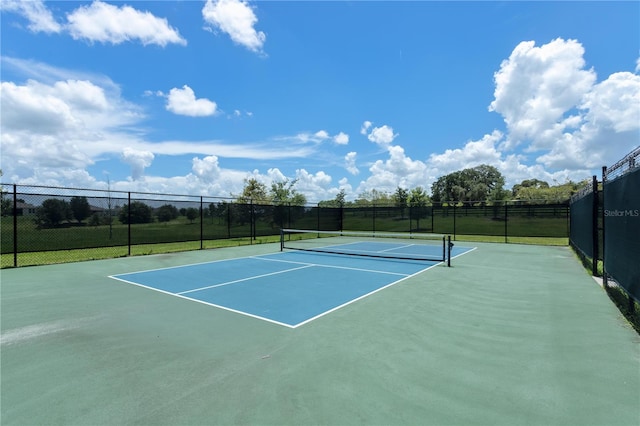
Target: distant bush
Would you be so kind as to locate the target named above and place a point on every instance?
(52, 213)
(167, 213)
(139, 213)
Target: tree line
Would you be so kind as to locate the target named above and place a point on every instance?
(481, 185)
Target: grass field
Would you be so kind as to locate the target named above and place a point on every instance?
(75, 242)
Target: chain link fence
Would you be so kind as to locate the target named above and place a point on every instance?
(38, 221)
(605, 230)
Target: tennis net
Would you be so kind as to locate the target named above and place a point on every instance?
(426, 247)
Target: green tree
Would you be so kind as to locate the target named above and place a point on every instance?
(167, 212)
(341, 198)
(94, 220)
(139, 212)
(254, 195)
(373, 197)
(468, 185)
(338, 201)
(53, 212)
(253, 191)
(418, 200)
(80, 208)
(287, 202)
(535, 191)
(6, 203)
(283, 193)
(400, 199)
(192, 214)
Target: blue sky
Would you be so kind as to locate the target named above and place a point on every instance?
(196, 97)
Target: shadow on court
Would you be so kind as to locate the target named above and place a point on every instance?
(509, 335)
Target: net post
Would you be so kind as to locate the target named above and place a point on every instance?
(281, 239)
(449, 246)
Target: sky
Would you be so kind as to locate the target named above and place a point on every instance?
(197, 97)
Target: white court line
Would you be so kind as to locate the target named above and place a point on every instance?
(361, 297)
(245, 279)
(320, 265)
(260, 257)
(397, 248)
(419, 256)
(191, 299)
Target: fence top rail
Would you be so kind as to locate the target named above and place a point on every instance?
(630, 162)
(30, 189)
(582, 192)
(57, 191)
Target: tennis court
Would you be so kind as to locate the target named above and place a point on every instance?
(510, 334)
(293, 288)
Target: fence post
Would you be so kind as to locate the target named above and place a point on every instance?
(433, 213)
(229, 205)
(201, 224)
(605, 282)
(129, 223)
(15, 226)
(506, 221)
(252, 225)
(455, 213)
(373, 215)
(594, 227)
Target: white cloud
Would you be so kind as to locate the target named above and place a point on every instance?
(536, 86)
(553, 107)
(40, 18)
(474, 153)
(398, 170)
(138, 160)
(512, 166)
(51, 129)
(206, 169)
(183, 102)
(314, 186)
(106, 23)
(638, 65)
(350, 163)
(321, 135)
(59, 125)
(615, 103)
(382, 135)
(606, 129)
(365, 127)
(341, 138)
(237, 19)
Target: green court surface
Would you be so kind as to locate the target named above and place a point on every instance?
(510, 335)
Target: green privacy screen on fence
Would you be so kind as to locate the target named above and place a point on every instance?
(622, 236)
(581, 232)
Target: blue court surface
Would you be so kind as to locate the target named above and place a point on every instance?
(286, 288)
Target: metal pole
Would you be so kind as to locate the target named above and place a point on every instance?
(15, 226)
(506, 220)
(454, 220)
(594, 227)
(604, 227)
(129, 225)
